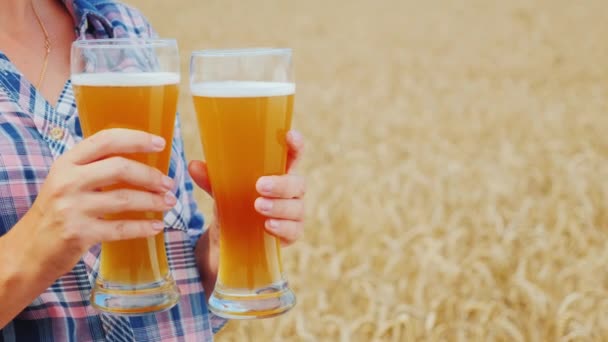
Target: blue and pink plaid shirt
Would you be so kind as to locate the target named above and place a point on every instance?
(33, 133)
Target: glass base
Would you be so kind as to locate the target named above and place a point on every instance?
(268, 302)
(134, 300)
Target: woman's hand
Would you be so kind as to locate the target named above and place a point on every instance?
(64, 221)
(281, 197)
(66, 216)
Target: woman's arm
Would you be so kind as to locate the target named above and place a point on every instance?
(23, 276)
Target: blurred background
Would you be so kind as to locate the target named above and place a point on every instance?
(457, 161)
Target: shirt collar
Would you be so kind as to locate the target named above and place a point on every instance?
(89, 21)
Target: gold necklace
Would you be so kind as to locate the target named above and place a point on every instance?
(47, 45)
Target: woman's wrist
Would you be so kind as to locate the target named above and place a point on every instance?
(207, 257)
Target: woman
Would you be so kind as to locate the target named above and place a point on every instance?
(49, 231)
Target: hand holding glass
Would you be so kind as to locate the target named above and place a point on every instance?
(122, 83)
(244, 102)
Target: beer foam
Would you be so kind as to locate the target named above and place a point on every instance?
(135, 79)
(242, 89)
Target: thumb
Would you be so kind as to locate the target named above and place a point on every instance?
(200, 176)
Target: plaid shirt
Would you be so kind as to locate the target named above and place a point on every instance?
(33, 134)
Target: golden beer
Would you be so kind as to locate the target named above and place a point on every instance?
(243, 126)
(140, 101)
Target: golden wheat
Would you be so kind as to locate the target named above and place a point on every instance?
(457, 162)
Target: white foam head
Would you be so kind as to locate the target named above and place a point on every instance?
(116, 79)
(242, 89)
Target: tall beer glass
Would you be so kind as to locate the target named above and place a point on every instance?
(244, 102)
(123, 83)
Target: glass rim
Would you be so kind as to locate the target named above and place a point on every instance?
(232, 52)
(121, 43)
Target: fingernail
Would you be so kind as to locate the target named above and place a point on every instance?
(170, 199)
(272, 225)
(167, 183)
(296, 137)
(158, 143)
(265, 184)
(264, 204)
(157, 225)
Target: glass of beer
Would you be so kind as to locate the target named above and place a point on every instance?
(244, 102)
(126, 83)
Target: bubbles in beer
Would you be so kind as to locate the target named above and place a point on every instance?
(242, 89)
(115, 79)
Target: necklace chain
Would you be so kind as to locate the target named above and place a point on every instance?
(47, 46)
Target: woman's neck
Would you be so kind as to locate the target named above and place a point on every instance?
(15, 15)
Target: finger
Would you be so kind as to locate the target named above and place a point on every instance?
(288, 209)
(295, 147)
(114, 141)
(123, 200)
(116, 170)
(285, 186)
(200, 175)
(287, 231)
(106, 230)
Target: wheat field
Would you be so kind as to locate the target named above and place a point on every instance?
(457, 163)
